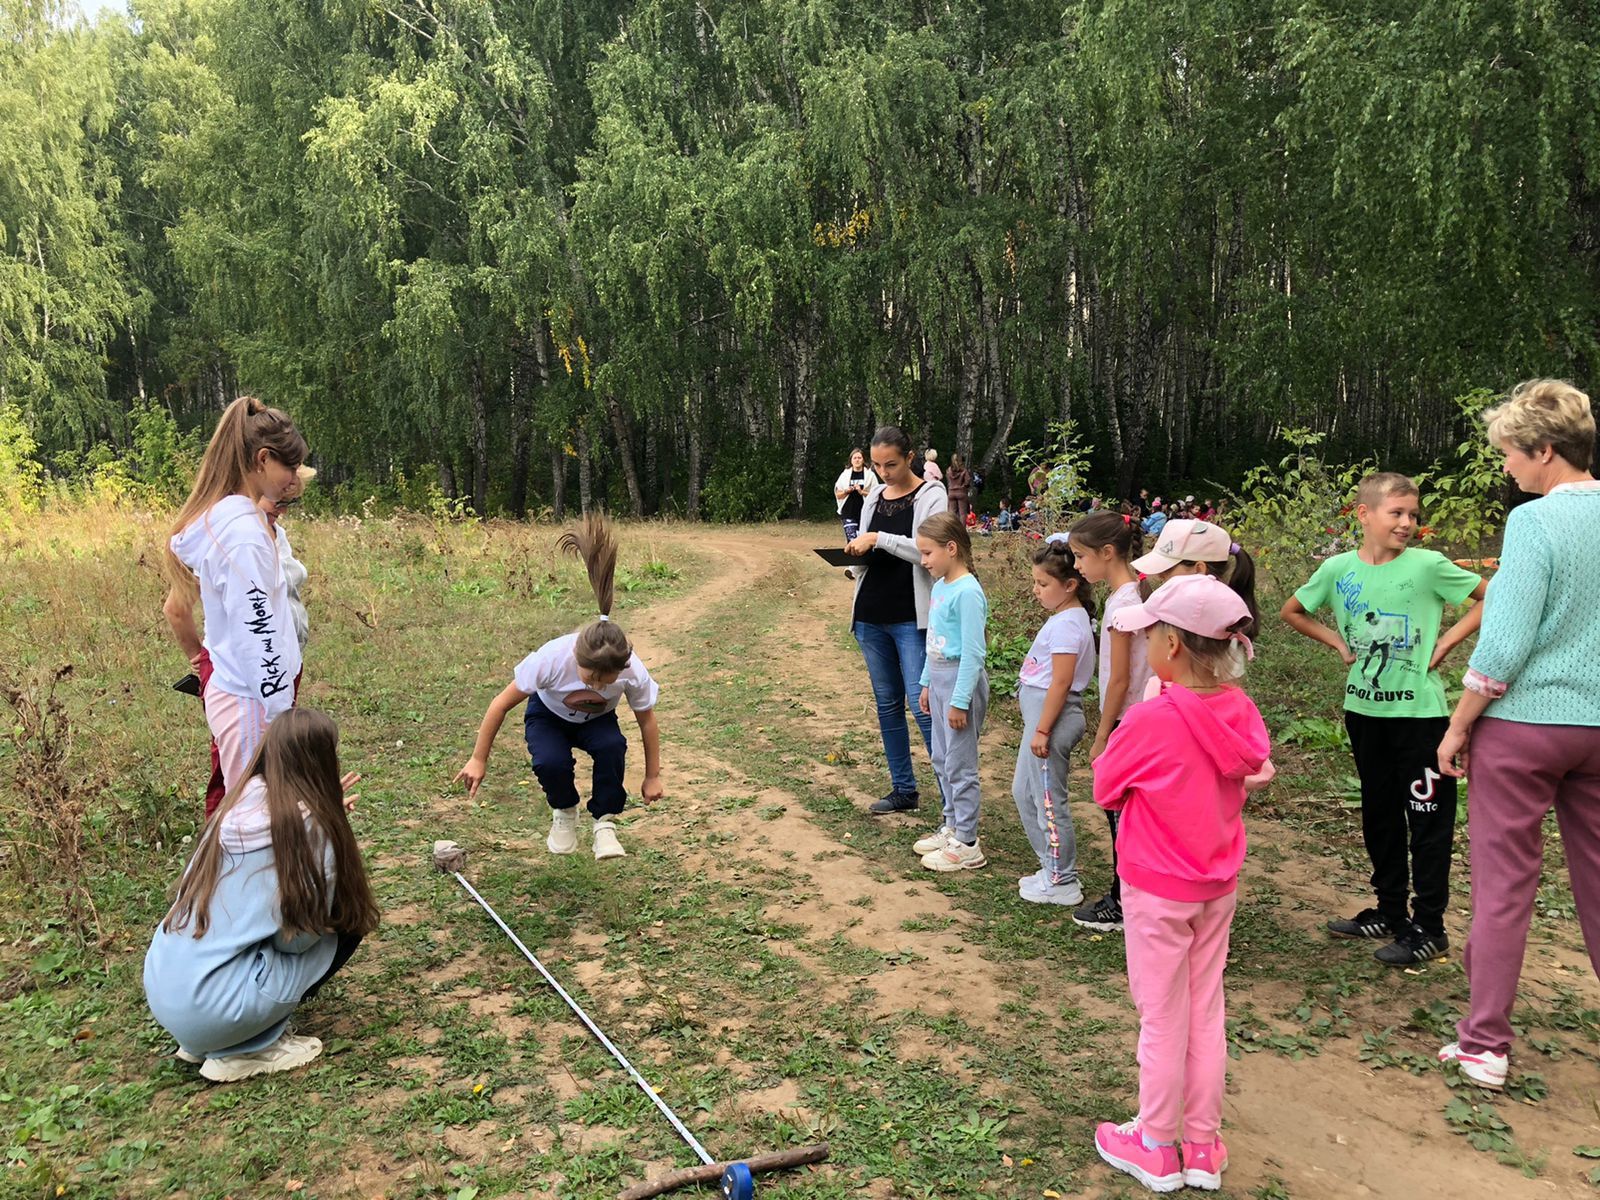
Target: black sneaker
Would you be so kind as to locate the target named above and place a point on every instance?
(1412, 947)
(894, 802)
(1368, 923)
(1105, 915)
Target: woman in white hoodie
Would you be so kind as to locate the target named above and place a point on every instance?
(223, 551)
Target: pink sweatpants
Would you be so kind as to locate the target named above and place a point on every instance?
(1177, 951)
(238, 725)
(1519, 772)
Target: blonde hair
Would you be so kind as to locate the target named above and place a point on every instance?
(601, 645)
(945, 528)
(1382, 484)
(1545, 412)
(246, 428)
(298, 759)
(1221, 659)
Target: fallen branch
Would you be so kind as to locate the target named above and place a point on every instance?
(759, 1165)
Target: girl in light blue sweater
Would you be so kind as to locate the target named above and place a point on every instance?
(273, 902)
(955, 689)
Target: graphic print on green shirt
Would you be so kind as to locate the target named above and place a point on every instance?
(1389, 617)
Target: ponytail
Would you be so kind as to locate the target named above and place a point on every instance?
(247, 427)
(1101, 529)
(601, 645)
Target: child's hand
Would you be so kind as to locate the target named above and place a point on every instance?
(1040, 744)
(1440, 653)
(350, 798)
(958, 718)
(922, 701)
(1099, 747)
(1348, 655)
(652, 789)
(473, 773)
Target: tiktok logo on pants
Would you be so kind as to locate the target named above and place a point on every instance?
(1422, 791)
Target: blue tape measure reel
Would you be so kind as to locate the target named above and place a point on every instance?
(738, 1183)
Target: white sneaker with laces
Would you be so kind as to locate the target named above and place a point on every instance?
(563, 837)
(183, 1055)
(285, 1054)
(606, 844)
(956, 856)
(1487, 1070)
(1070, 894)
(937, 840)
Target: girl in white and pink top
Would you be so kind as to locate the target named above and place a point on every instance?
(1104, 545)
(1177, 769)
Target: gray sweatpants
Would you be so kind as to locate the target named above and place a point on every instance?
(1049, 827)
(955, 752)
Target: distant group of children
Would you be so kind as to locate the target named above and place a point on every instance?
(275, 898)
(1178, 747)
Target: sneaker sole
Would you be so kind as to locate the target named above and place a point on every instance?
(945, 867)
(1156, 1183)
(1204, 1180)
(1099, 926)
(1046, 898)
(223, 1074)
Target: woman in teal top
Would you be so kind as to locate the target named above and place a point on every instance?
(1531, 711)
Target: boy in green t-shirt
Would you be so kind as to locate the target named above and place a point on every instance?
(1387, 602)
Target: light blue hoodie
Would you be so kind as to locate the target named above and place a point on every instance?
(233, 990)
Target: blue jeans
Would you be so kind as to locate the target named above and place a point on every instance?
(895, 654)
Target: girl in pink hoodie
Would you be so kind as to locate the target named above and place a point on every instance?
(1177, 769)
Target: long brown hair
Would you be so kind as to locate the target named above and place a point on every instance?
(299, 762)
(247, 427)
(945, 528)
(601, 645)
(1054, 558)
(1102, 529)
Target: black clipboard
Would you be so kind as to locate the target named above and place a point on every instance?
(836, 557)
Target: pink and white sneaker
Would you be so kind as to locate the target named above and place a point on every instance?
(1486, 1069)
(1204, 1163)
(1122, 1147)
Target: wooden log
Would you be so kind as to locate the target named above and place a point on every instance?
(776, 1160)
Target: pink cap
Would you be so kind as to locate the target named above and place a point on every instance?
(1197, 603)
(1185, 541)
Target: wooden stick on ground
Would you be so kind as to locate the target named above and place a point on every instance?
(759, 1165)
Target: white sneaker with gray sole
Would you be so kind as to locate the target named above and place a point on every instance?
(285, 1054)
(606, 844)
(563, 837)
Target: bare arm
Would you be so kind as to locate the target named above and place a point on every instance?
(180, 618)
(1111, 703)
(1462, 629)
(653, 789)
(495, 717)
(1062, 669)
(1297, 618)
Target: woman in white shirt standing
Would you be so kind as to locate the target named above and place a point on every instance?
(851, 489)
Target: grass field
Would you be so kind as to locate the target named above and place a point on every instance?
(775, 960)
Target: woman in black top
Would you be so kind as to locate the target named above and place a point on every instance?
(850, 489)
(890, 618)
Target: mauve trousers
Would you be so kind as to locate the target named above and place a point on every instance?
(1519, 772)
(1177, 952)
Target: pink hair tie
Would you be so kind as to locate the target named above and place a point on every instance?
(1249, 646)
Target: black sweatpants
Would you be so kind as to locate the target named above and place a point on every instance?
(1405, 804)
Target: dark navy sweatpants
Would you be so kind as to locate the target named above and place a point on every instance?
(551, 741)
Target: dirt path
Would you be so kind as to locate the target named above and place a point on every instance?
(1326, 1125)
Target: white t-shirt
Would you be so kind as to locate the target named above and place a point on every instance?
(1066, 632)
(1125, 596)
(551, 673)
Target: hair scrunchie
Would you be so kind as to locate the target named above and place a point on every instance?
(1234, 549)
(603, 617)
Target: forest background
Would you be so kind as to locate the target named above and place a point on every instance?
(682, 255)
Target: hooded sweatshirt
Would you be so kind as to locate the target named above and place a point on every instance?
(245, 596)
(1176, 768)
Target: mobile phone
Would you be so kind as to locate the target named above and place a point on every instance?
(189, 685)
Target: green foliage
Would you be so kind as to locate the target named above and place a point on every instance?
(21, 476)
(1064, 461)
(1297, 510)
(1465, 503)
(747, 484)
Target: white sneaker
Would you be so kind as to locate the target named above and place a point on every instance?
(183, 1055)
(956, 856)
(285, 1054)
(937, 840)
(1032, 882)
(605, 842)
(1487, 1070)
(1070, 894)
(563, 837)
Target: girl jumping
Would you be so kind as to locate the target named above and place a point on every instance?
(955, 690)
(1103, 547)
(1176, 769)
(572, 686)
(1058, 667)
(274, 901)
